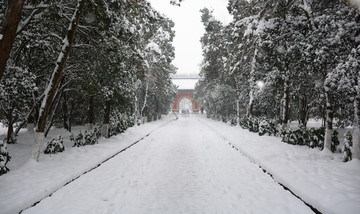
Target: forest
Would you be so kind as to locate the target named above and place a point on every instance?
(103, 64)
(283, 61)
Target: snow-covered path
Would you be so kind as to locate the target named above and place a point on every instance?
(183, 167)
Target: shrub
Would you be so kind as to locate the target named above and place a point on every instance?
(119, 123)
(55, 145)
(78, 140)
(267, 127)
(302, 136)
(4, 157)
(251, 123)
(347, 147)
(88, 138)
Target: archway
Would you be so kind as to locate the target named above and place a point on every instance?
(185, 105)
(185, 100)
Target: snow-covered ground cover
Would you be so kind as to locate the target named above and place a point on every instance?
(184, 167)
(319, 178)
(29, 181)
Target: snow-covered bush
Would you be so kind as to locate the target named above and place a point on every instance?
(335, 141)
(302, 136)
(317, 137)
(119, 123)
(251, 123)
(232, 121)
(55, 145)
(297, 137)
(4, 157)
(347, 147)
(267, 127)
(284, 133)
(78, 140)
(88, 138)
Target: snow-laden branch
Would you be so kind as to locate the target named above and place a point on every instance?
(36, 10)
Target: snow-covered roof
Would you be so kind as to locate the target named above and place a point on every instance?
(185, 83)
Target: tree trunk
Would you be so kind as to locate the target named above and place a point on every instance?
(145, 97)
(52, 116)
(55, 79)
(251, 103)
(237, 103)
(329, 119)
(356, 133)
(136, 110)
(70, 118)
(303, 111)
(8, 31)
(105, 128)
(91, 113)
(10, 133)
(252, 86)
(65, 111)
(286, 101)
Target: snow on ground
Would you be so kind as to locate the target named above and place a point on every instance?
(320, 178)
(29, 181)
(186, 166)
(181, 168)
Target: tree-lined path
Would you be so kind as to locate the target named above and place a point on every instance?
(183, 167)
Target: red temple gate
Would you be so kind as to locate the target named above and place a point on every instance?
(185, 94)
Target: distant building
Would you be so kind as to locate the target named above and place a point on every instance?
(185, 102)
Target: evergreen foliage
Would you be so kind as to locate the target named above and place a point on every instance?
(268, 127)
(4, 157)
(305, 54)
(120, 62)
(55, 145)
(88, 138)
(312, 138)
(119, 123)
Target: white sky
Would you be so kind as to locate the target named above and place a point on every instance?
(189, 29)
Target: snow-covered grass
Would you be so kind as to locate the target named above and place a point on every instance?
(29, 181)
(320, 178)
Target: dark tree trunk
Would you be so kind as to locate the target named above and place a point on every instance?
(70, 118)
(250, 109)
(303, 111)
(286, 101)
(91, 111)
(8, 31)
(329, 118)
(107, 112)
(10, 134)
(106, 122)
(65, 116)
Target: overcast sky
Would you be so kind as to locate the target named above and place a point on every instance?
(189, 29)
